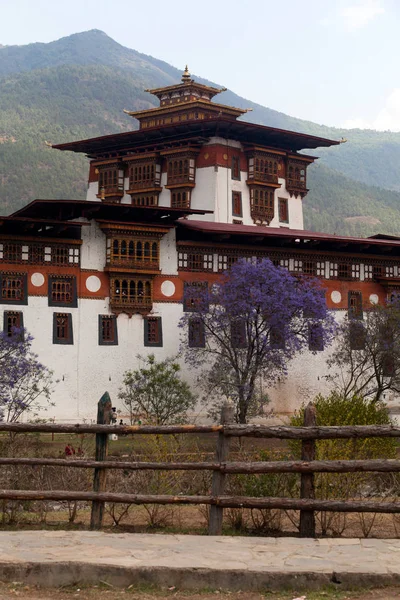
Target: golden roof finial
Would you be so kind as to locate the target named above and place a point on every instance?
(186, 77)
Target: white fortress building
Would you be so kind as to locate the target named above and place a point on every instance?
(169, 205)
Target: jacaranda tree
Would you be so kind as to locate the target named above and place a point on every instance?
(248, 326)
(25, 384)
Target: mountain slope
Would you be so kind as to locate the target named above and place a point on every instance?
(78, 87)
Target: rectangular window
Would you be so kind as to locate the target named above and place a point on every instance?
(12, 253)
(238, 334)
(368, 271)
(12, 320)
(283, 210)
(14, 288)
(131, 293)
(344, 271)
(62, 291)
(277, 338)
(153, 332)
(195, 261)
(297, 266)
(235, 168)
(237, 204)
(355, 271)
(315, 337)
(62, 328)
(309, 267)
(193, 292)
(197, 337)
(108, 334)
(333, 270)
(355, 305)
(357, 335)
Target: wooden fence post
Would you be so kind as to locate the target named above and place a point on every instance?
(218, 479)
(307, 490)
(100, 475)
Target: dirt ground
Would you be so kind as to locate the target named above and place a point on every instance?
(12, 591)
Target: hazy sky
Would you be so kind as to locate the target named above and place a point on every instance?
(330, 61)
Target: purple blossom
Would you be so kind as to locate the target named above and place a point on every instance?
(24, 381)
(272, 310)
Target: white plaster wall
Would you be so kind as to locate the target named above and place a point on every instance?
(92, 191)
(169, 254)
(93, 249)
(84, 369)
(164, 199)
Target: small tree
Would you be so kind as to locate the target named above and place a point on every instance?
(366, 359)
(25, 384)
(156, 391)
(249, 326)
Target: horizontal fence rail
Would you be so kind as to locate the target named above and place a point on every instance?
(258, 431)
(220, 501)
(250, 468)
(307, 435)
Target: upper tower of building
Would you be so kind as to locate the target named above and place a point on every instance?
(193, 154)
(185, 101)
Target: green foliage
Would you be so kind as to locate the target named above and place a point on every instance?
(336, 410)
(78, 86)
(156, 393)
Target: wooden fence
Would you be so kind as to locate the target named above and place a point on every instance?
(307, 466)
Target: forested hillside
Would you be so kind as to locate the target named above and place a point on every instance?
(78, 87)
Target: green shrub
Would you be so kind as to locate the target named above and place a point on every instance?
(338, 411)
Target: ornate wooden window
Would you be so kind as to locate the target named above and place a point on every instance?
(238, 334)
(12, 320)
(315, 337)
(309, 267)
(296, 182)
(357, 335)
(181, 170)
(108, 333)
(235, 168)
(283, 210)
(144, 174)
(134, 252)
(192, 293)
(131, 294)
(344, 271)
(62, 328)
(355, 305)
(377, 271)
(262, 204)
(180, 198)
(153, 332)
(237, 204)
(144, 200)
(12, 252)
(62, 255)
(14, 289)
(111, 183)
(62, 291)
(263, 167)
(197, 338)
(195, 260)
